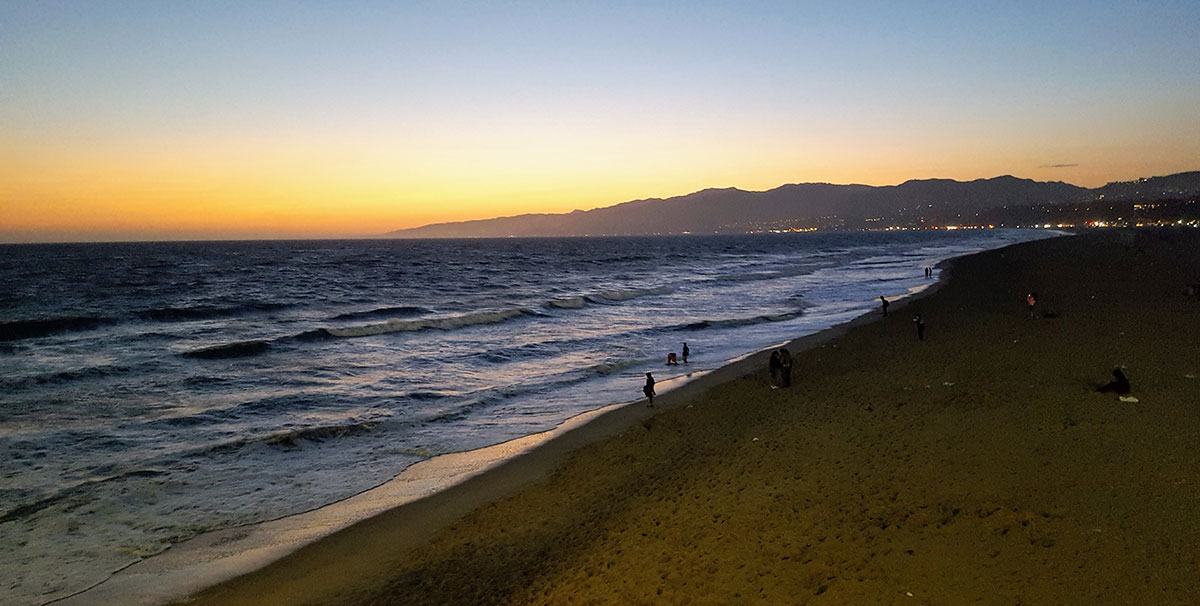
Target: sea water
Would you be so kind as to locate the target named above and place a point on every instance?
(150, 392)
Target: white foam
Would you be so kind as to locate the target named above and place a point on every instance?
(218, 556)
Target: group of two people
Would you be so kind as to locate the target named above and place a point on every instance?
(672, 360)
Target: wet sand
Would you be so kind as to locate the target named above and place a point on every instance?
(977, 466)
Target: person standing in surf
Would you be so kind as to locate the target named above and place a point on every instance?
(648, 389)
(686, 351)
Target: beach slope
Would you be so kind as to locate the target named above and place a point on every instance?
(980, 465)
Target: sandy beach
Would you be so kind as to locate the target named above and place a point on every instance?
(977, 466)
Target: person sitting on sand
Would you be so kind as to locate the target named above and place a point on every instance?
(775, 366)
(785, 368)
(1119, 385)
(648, 389)
(672, 360)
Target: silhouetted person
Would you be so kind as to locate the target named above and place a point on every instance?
(776, 367)
(920, 327)
(1031, 300)
(672, 360)
(1119, 384)
(648, 389)
(884, 304)
(928, 272)
(785, 368)
(686, 351)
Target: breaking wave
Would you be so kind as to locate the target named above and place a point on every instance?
(572, 303)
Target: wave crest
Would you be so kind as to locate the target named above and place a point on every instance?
(384, 312)
(572, 303)
(446, 323)
(633, 293)
(730, 322)
(241, 349)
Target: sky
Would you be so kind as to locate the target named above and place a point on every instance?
(166, 120)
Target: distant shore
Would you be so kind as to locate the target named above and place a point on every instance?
(978, 465)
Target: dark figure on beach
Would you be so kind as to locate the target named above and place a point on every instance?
(1119, 384)
(686, 351)
(785, 368)
(672, 360)
(884, 304)
(920, 327)
(776, 367)
(928, 272)
(1031, 300)
(648, 389)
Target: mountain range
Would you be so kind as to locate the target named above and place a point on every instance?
(811, 205)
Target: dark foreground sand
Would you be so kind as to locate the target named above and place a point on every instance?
(978, 466)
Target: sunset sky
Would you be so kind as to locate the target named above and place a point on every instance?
(198, 120)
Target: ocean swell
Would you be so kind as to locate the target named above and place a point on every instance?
(241, 349)
(183, 314)
(32, 329)
(445, 323)
(384, 312)
(634, 293)
(732, 322)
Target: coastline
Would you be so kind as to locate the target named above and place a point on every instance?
(216, 558)
(980, 465)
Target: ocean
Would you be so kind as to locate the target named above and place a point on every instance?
(150, 392)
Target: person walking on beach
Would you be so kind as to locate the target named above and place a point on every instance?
(648, 389)
(785, 368)
(920, 327)
(776, 367)
(686, 351)
(1031, 300)
(884, 304)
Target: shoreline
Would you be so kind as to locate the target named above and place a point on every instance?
(980, 465)
(216, 558)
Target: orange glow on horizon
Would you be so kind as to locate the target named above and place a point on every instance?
(287, 188)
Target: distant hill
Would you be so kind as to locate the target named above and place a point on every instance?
(808, 205)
